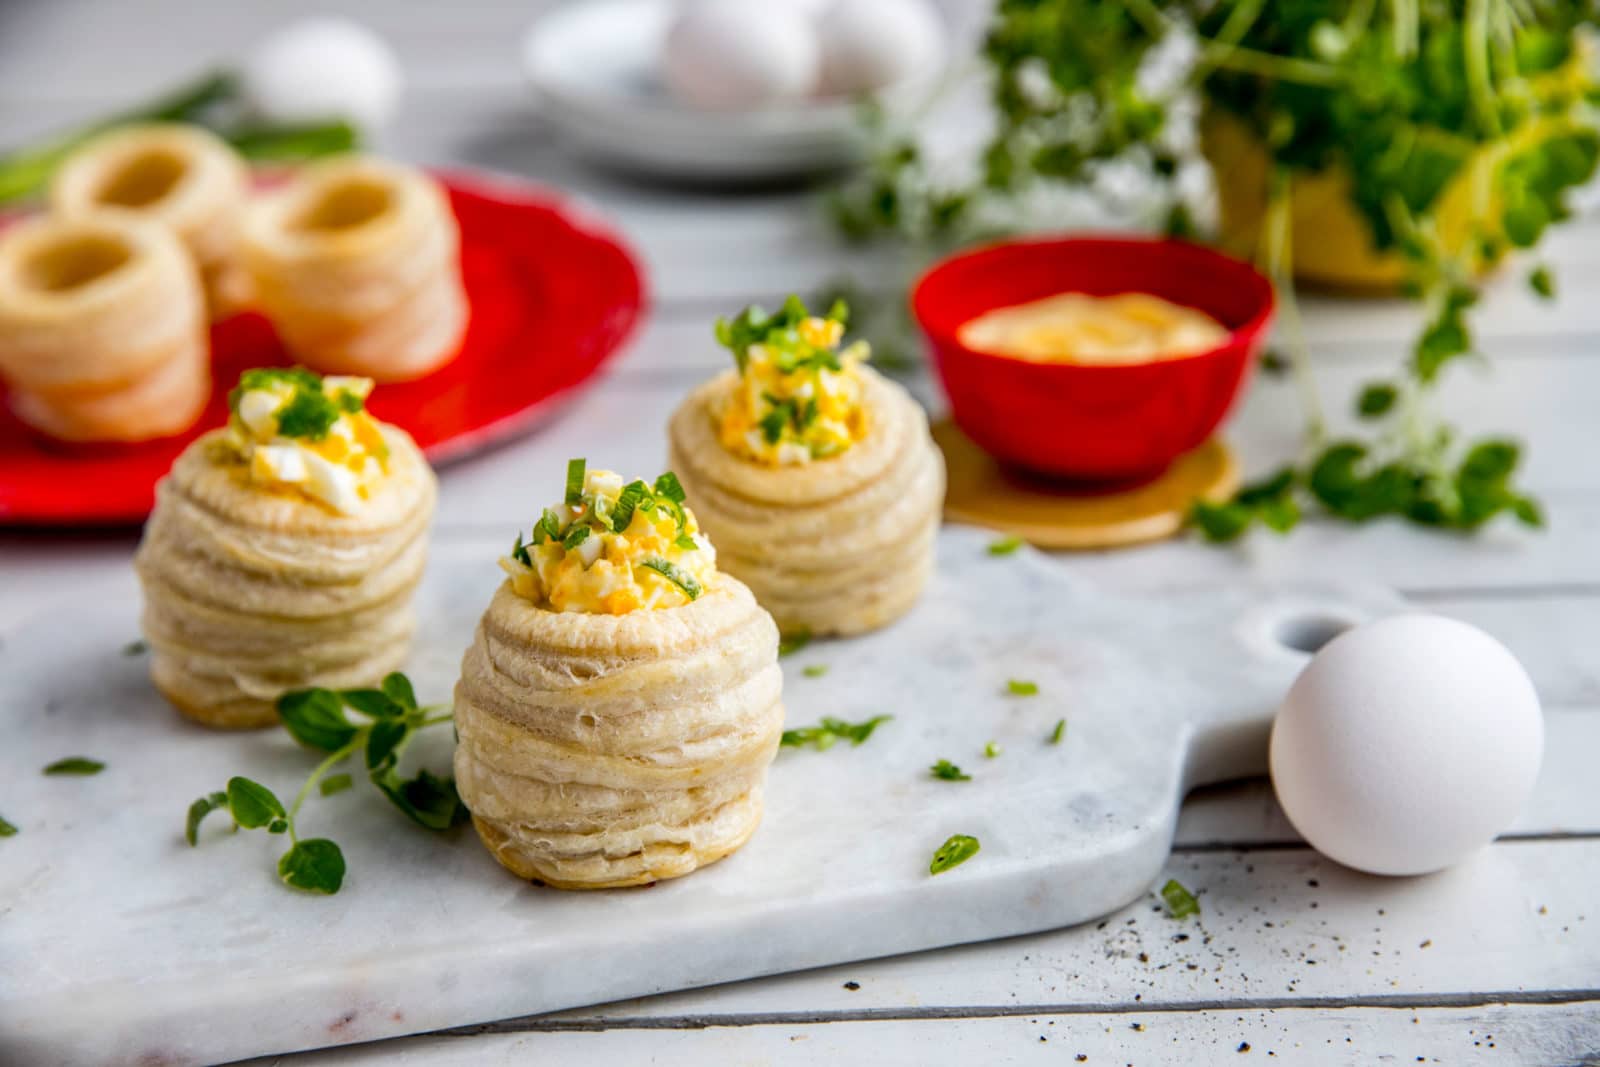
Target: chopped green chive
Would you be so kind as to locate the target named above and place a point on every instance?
(79, 765)
(627, 501)
(6, 829)
(946, 771)
(953, 853)
(991, 750)
(575, 472)
(136, 648)
(1059, 732)
(674, 574)
(816, 670)
(668, 486)
(1004, 546)
(822, 737)
(1180, 902)
(791, 643)
(576, 536)
(1019, 688)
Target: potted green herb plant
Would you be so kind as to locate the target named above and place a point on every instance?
(1364, 144)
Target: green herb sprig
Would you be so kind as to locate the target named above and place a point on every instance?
(373, 725)
(946, 771)
(822, 737)
(213, 101)
(779, 333)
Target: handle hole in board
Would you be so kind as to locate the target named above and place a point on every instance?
(1308, 633)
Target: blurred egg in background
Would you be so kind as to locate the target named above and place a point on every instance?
(1407, 744)
(870, 44)
(321, 68)
(732, 55)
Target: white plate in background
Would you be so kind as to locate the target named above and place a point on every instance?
(594, 68)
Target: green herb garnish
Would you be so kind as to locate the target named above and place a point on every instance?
(815, 670)
(1004, 546)
(953, 853)
(790, 643)
(6, 829)
(780, 333)
(946, 771)
(991, 750)
(75, 765)
(575, 473)
(309, 412)
(822, 737)
(1180, 902)
(576, 535)
(1059, 732)
(674, 574)
(1019, 688)
(388, 718)
(136, 648)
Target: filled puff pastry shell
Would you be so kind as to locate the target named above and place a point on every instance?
(184, 177)
(102, 328)
(356, 263)
(252, 590)
(614, 750)
(839, 545)
(621, 700)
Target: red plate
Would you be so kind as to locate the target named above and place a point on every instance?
(553, 295)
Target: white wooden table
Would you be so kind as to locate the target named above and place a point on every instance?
(1294, 957)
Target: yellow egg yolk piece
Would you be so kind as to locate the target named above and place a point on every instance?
(799, 396)
(298, 431)
(610, 548)
(1103, 330)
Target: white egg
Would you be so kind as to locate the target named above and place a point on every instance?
(1407, 744)
(322, 68)
(868, 44)
(731, 55)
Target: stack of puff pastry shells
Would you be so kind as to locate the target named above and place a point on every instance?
(102, 328)
(836, 546)
(356, 262)
(183, 177)
(614, 750)
(252, 591)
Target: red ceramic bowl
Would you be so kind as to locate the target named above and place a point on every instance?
(1092, 423)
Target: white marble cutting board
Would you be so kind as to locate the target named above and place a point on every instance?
(118, 943)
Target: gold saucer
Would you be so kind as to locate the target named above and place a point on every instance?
(1057, 515)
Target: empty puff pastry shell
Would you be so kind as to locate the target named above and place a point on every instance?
(250, 591)
(356, 262)
(599, 751)
(185, 177)
(836, 546)
(102, 328)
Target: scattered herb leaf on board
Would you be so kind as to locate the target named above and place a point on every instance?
(789, 644)
(1017, 687)
(991, 750)
(75, 765)
(946, 771)
(822, 737)
(1059, 732)
(1004, 546)
(816, 670)
(136, 648)
(386, 720)
(953, 853)
(6, 829)
(1180, 902)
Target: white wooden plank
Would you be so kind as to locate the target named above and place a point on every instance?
(1286, 926)
(1492, 1033)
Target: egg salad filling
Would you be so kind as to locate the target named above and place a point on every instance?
(611, 548)
(297, 430)
(799, 397)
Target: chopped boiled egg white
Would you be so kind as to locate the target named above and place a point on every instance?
(798, 397)
(610, 548)
(296, 430)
